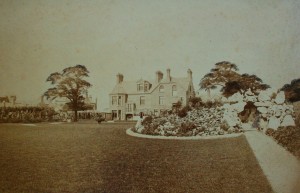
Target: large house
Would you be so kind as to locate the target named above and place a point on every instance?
(129, 98)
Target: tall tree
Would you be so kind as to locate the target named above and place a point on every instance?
(292, 91)
(222, 73)
(70, 84)
(242, 84)
(225, 75)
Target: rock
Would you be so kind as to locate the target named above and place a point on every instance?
(250, 98)
(264, 96)
(262, 110)
(247, 126)
(232, 120)
(274, 123)
(287, 121)
(238, 107)
(263, 124)
(236, 97)
(249, 92)
(263, 104)
(280, 98)
(224, 99)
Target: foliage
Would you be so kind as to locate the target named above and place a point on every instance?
(225, 75)
(288, 137)
(147, 121)
(222, 73)
(183, 112)
(195, 101)
(177, 106)
(292, 90)
(31, 114)
(186, 128)
(69, 84)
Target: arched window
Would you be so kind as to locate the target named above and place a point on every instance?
(174, 90)
(161, 88)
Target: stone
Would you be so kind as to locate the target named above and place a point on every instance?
(249, 92)
(238, 107)
(236, 97)
(263, 104)
(263, 124)
(287, 121)
(264, 95)
(274, 123)
(280, 98)
(250, 98)
(247, 126)
(262, 110)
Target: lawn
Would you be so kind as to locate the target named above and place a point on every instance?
(102, 158)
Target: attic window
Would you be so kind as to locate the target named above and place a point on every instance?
(161, 88)
(140, 87)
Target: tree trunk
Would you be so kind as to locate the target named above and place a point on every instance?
(75, 115)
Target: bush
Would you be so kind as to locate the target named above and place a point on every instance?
(288, 137)
(183, 112)
(186, 128)
(147, 121)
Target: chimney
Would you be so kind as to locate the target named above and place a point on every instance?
(168, 75)
(119, 78)
(189, 73)
(159, 76)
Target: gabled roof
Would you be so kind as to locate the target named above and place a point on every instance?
(130, 87)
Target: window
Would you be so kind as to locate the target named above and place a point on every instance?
(161, 88)
(146, 87)
(161, 100)
(114, 100)
(174, 90)
(142, 100)
(129, 108)
(140, 87)
(120, 100)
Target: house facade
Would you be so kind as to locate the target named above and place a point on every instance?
(129, 98)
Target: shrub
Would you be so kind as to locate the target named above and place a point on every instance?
(147, 120)
(183, 112)
(186, 127)
(195, 101)
(288, 137)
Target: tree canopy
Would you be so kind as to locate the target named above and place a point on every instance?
(70, 84)
(292, 90)
(225, 74)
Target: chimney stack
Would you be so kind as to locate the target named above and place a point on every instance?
(159, 76)
(189, 72)
(120, 78)
(168, 75)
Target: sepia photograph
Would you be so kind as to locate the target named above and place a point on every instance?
(149, 96)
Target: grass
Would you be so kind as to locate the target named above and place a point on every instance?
(102, 158)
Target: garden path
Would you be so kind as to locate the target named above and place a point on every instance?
(281, 168)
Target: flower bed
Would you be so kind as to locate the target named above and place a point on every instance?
(197, 122)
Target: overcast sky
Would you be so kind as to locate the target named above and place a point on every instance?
(137, 38)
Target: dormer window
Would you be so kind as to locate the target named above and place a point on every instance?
(140, 87)
(143, 86)
(161, 88)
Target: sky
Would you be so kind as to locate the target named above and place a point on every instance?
(139, 37)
